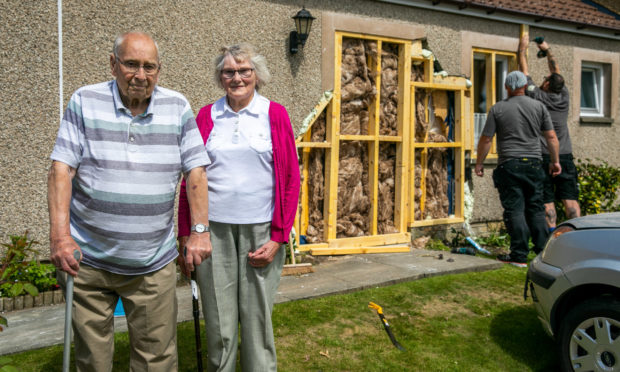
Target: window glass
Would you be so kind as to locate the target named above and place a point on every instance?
(591, 90)
(479, 84)
(501, 70)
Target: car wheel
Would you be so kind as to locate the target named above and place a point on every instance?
(589, 336)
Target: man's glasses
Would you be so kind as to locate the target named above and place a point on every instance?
(243, 72)
(133, 67)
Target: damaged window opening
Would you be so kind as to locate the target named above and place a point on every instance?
(489, 70)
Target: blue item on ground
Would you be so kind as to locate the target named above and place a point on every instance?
(119, 310)
(477, 246)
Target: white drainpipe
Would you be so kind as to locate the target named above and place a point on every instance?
(60, 88)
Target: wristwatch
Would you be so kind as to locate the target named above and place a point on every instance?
(200, 228)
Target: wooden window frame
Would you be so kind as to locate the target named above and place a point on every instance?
(491, 87)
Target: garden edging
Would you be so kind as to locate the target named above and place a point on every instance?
(8, 304)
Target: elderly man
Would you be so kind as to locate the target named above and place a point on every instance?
(121, 149)
(519, 122)
(554, 95)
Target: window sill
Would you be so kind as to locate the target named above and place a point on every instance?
(595, 120)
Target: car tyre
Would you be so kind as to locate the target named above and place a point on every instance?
(589, 336)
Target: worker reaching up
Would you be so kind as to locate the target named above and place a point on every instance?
(554, 95)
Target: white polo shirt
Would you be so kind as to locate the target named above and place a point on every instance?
(241, 177)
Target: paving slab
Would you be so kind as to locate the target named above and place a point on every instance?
(44, 326)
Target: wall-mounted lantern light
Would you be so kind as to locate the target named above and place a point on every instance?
(303, 22)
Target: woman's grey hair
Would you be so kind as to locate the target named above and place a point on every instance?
(120, 38)
(241, 53)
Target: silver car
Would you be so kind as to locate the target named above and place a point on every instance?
(575, 285)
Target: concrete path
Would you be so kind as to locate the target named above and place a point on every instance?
(43, 326)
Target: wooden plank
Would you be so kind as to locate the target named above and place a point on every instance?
(373, 37)
(490, 92)
(491, 74)
(459, 110)
(438, 221)
(451, 81)
(373, 184)
(416, 48)
(492, 51)
(360, 250)
(304, 196)
(323, 145)
(392, 138)
(362, 241)
(436, 144)
(309, 247)
(330, 213)
(373, 147)
(297, 269)
(401, 178)
(411, 156)
(428, 70)
(357, 137)
(438, 86)
(424, 160)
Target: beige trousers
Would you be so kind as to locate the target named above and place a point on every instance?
(151, 309)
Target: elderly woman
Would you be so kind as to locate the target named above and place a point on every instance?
(253, 194)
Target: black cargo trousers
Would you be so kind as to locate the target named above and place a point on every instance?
(519, 182)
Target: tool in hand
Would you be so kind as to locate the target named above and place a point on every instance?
(539, 40)
(66, 353)
(196, 312)
(386, 325)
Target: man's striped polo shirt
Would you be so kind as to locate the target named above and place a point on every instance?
(122, 203)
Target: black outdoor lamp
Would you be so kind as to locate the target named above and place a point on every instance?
(303, 22)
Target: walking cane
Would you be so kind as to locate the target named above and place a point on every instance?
(66, 354)
(196, 313)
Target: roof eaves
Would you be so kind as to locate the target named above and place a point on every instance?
(501, 15)
(538, 17)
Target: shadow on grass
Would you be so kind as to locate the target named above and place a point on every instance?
(519, 333)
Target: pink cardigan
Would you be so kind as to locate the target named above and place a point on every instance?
(286, 169)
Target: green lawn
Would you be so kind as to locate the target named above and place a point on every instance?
(463, 322)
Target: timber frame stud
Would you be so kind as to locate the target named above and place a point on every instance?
(439, 126)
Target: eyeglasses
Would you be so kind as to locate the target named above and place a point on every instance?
(133, 67)
(243, 72)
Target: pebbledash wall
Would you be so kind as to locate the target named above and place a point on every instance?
(190, 34)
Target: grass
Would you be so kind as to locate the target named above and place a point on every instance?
(462, 322)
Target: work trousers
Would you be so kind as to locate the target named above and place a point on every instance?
(233, 292)
(150, 305)
(520, 185)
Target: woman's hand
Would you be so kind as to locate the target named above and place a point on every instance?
(264, 255)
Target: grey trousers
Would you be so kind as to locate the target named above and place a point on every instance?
(234, 293)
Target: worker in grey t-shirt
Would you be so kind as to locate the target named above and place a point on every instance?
(518, 122)
(553, 93)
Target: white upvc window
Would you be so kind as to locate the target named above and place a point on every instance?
(592, 89)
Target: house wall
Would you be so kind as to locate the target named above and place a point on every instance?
(189, 34)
